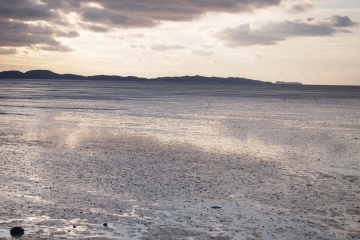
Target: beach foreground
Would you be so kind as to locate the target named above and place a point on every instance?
(175, 161)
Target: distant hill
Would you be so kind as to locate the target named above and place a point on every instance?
(291, 83)
(46, 74)
(200, 79)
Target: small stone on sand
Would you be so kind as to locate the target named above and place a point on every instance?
(17, 231)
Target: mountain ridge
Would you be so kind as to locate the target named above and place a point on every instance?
(49, 75)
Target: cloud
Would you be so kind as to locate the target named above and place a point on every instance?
(36, 23)
(299, 7)
(136, 35)
(165, 47)
(29, 23)
(138, 46)
(202, 52)
(109, 14)
(71, 34)
(113, 19)
(338, 21)
(205, 45)
(7, 51)
(59, 48)
(36, 35)
(155, 10)
(98, 29)
(26, 10)
(271, 32)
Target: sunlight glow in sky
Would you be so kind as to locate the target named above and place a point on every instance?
(309, 41)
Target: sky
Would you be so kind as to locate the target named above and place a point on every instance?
(308, 41)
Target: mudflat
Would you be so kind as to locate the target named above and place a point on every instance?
(179, 161)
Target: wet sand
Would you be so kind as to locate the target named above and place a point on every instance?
(166, 167)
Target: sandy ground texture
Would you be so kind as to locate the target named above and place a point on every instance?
(179, 167)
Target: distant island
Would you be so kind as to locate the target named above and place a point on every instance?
(293, 83)
(49, 75)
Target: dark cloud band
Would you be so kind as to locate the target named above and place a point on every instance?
(101, 16)
(38, 23)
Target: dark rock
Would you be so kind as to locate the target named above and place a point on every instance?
(74, 226)
(17, 231)
(216, 207)
(105, 224)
